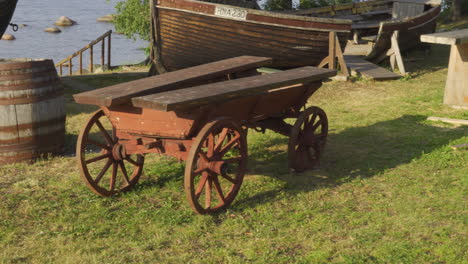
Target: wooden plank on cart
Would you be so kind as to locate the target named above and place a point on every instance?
(122, 93)
(228, 90)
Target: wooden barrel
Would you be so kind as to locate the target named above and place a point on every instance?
(32, 111)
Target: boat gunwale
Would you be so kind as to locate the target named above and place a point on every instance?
(263, 13)
(400, 21)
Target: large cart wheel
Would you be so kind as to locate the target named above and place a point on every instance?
(105, 167)
(307, 139)
(216, 166)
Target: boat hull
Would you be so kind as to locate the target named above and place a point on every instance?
(409, 30)
(194, 35)
(7, 8)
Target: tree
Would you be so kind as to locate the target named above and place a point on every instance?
(133, 19)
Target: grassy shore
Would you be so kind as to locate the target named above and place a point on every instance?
(389, 189)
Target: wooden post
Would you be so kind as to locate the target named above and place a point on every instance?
(60, 69)
(81, 63)
(456, 88)
(91, 66)
(332, 50)
(70, 66)
(109, 51)
(397, 53)
(102, 53)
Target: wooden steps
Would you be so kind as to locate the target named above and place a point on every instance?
(368, 69)
(357, 49)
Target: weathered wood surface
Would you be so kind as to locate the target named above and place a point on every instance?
(194, 33)
(368, 69)
(32, 111)
(357, 49)
(228, 90)
(456, 90)
(403, 10)
(460, 146)
(456, 87)
(345, 9)
(410, 31)
(122, 93)
(427, 2)
(448, 38)
(448, 120)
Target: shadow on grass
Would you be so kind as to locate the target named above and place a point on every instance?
(358, 152)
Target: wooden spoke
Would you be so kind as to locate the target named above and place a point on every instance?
(219, 190)
(211, 145)
(98, 158)
(104, 133)
(200, 170)
(92, 142)
(208, 193)
(93, 178)
(316, 126)
(124, 172)
(303, 139)
(221, 139)
(228, 178)
(201, 184)
(113, 177)
(134, 163)
(200, 175)
(229, 145)
(103, 171)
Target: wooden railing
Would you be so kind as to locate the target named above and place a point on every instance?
(68, 61)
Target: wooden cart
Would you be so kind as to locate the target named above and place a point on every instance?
(200, 115)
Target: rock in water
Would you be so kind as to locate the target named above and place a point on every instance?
(8, 37)
(52, 30)
(64, 21)
(106, 18)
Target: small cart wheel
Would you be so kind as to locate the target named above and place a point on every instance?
(307, 139)
(103, 163)
(216, 166)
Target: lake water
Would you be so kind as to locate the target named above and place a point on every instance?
(33, 42)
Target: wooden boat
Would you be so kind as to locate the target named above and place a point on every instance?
(188, 33)
(7, 7)
(376, 21)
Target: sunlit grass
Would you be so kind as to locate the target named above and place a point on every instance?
(389, 189)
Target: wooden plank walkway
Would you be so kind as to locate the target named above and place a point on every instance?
(368, 69)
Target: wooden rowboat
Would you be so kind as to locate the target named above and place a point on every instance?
(376, 21)
(7, 7)
(189, 33)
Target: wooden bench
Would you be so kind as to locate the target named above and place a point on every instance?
(220, 70)
(456, 88)
(228, 90)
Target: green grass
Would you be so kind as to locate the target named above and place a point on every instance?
(389, 189)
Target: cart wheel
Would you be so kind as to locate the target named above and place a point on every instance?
(103, 163)
(216, 166)
(307, 139)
